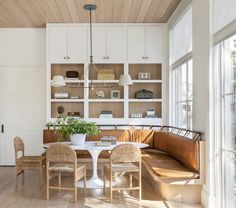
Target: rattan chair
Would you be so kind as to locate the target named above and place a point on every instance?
(61, 158)
(23, 162)
(125, 158)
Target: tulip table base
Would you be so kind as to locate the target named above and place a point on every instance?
(95, 181)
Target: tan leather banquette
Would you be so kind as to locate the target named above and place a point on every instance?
(168, 156)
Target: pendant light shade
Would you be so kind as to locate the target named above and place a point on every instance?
(58, 81)
(125, 80)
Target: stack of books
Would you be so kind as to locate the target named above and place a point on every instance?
(106, 114)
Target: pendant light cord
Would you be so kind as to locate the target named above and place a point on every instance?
(91, 40)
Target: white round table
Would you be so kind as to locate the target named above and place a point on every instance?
(94, 150)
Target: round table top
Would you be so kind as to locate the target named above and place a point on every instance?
(91, 145)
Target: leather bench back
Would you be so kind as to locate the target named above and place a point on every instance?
(144, 136)
(183, 149)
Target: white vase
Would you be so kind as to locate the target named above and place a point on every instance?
(77, 139)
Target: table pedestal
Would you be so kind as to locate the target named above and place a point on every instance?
(95, 181)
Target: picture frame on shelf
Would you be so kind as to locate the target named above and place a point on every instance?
(115, 94)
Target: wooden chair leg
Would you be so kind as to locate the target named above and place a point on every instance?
(85, 182)
(140, 183)
(130, 180)
(104, 184)
(75, 189)
(59, 181)
(47, 182)
(16, 177)
(111, 186)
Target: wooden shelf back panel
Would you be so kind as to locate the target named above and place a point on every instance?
(153, 69)
(107, 91)
(154, 87)
(73, 91)
(68, 107)
(116, 108)
(143, 107)
(61, 69)
(118, 69)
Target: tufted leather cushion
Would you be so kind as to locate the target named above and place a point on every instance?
(184, 150)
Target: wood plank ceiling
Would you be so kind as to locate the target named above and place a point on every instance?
(36, 13)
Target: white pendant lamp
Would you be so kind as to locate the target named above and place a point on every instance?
(125, 80)
(58, 81)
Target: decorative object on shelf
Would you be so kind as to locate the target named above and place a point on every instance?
(60, 110)
(74, 97)
(115, 94)
(125, 80)
(136, 115)
(75, 128)
(106, 114)
(72, 75)
(100, 94)
(144, 94)
(58, 81)
(151, 113)
(103, 144)
(105, 74)
(61, 95)
(111, 139)
(144, 76)
(76, 114)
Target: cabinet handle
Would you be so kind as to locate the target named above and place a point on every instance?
(2, 128)
(104, 57)
(146, 57)
(143, 57)
(65, 57)
(68, 57)
(108, 57)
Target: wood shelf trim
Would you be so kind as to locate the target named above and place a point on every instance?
(106, 100)
(67, 100)
(72, 81)
(105, 81)
(147, 81)
(144, 100)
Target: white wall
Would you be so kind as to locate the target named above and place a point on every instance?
(24, 50)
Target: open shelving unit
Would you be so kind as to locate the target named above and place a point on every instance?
(89, 106)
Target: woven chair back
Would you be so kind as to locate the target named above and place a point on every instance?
(60, 153)
(125, 153)
(19, 146)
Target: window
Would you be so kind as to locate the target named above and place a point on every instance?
(182, 72)
(183, 95)
(225, 61)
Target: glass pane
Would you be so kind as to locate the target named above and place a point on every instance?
(181, 83)
(182, 36)
(181, 115)
(190, 79)
(190, 115)
(230, 122)
(229, 175)
(230, 64)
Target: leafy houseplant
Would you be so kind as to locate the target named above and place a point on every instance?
(76, 129)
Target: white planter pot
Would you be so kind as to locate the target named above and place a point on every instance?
(78, 139)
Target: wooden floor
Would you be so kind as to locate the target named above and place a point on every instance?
(30, 195)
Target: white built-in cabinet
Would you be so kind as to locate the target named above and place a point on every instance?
(109, 44)
(68, 44)
(127, 49)
(145, 44)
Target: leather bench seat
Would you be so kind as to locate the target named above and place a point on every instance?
(166, 167)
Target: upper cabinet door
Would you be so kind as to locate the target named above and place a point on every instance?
(154, 44)
(136, 44)
(58, 44)
(116, 44)
(99, 44)
(77, 44)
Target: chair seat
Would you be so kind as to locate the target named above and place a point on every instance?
(31, 159)
(66, 167)
(122, 167)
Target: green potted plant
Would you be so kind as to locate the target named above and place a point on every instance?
(75, 128)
